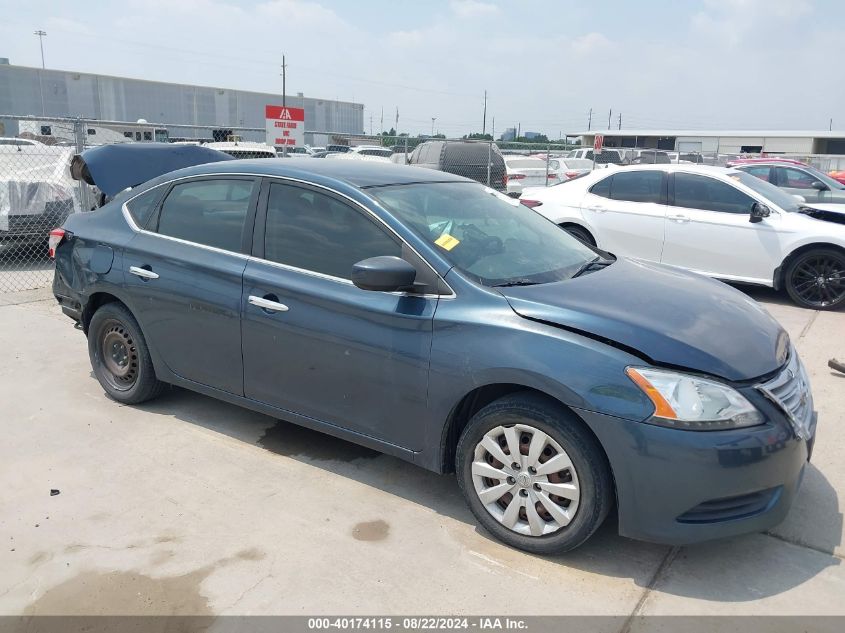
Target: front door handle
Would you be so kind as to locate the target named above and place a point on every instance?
(678, 218)
(268, 303)
(143, 273)
(598, 209)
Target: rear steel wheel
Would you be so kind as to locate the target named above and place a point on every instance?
(119, 355)
(816, 279)
(525, 480)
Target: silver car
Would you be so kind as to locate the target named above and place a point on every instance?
(801, 180)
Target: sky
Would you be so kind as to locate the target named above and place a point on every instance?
(690, 64)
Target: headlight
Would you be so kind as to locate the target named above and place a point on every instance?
(688, 402)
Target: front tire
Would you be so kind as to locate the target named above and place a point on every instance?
(120, 357)
(554, 494)
(816, 279)
(579, 233)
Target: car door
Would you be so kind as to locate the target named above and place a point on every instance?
(324, 348)
(183, 275)
(800, 183)
(708, 230)
(627, 210)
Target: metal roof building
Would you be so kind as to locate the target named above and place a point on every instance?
(724, 141)
(61, 93)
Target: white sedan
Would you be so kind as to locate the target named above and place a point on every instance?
(524, 171)
(720, 222)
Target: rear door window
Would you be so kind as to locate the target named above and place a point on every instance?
(637, 186)
(701, 192)
(212, 212)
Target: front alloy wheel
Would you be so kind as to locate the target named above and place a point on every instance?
(525, 480)
(533, 473)
(816, 279)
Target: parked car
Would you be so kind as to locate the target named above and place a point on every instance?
(524, 171)
(466, 159)
(800, 180)
(837, 175)
(724, 223)
(569, 168)
(423, 315)
(372, 150)
(650, 157)
(245, 149)
(337, 148)
(603, 157)
(36, 192)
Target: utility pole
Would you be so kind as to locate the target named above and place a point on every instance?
(381, 129)
(371, 124)
(609, 114)
(284, 92)
(40, 33)
(484, 118)
(284, 80)
(620, 120)
(433, 119)
(590, 120)
(518, 130)
(493, 129)
(830, 127)
(396, 129)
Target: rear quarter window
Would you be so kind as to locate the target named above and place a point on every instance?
(141, 207)
(602, 187)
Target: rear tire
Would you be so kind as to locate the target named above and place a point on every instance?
(816, 279)
(120, 357)
(560, 493)
(579, 233)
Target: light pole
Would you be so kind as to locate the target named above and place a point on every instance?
(433, 119)
(41, 35)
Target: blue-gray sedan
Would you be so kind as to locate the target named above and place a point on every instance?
(434, 319)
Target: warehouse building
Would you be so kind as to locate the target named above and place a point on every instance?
(724, 142)
(60, 93)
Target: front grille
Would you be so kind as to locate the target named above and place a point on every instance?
(731, 508)
(790, 391)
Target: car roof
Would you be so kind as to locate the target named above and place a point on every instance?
(359, 174)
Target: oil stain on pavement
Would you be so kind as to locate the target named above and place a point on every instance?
(132, 593)
(371, 531)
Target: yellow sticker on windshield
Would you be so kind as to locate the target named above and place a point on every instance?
(447, 241)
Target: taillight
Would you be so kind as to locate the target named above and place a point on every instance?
(530, 203)
(551, 176)
(516, 177)
(56, 237)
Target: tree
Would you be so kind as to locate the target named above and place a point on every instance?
(478, 136)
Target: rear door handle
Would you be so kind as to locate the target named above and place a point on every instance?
(678, 218)
(268, 304)
(143, 273)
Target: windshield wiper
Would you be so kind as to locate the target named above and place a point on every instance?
(596, 263)
(516, 282)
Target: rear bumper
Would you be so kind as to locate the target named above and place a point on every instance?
(678, 487)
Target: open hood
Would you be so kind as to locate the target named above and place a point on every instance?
(830, 212)
(665, 314)
(113, 168)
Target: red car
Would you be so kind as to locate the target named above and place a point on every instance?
(837, 175)
(771, 159)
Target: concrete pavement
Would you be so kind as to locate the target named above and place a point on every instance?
(191, 506)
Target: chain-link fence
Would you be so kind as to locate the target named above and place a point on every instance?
(37, 192)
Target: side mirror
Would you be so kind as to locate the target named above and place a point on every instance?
(385, 274)
(758, 212)
(819, 185)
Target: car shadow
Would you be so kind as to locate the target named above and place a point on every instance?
(606, 553)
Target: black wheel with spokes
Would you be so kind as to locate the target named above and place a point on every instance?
(120, 357)
(816, 279)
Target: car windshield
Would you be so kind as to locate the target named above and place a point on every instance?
(824, 178)
(785, 201)
(489, 237)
